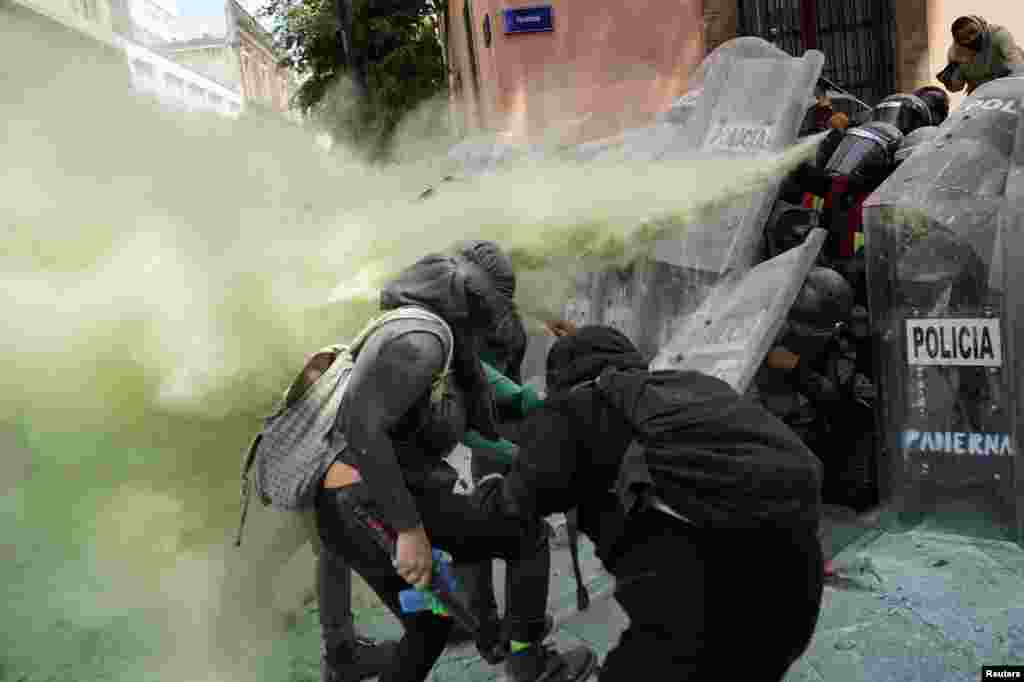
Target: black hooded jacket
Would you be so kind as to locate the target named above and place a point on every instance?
(571, 449)
(394, 436)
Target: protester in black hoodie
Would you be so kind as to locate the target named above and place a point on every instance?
(677, 523)
(392, 466)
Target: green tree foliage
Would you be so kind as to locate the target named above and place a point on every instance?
(398, 41)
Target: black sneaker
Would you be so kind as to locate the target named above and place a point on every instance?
(460, 635)
(490, 641)
(542, 663)
(493, 644)
(359, 660)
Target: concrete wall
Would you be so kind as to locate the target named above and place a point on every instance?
(913, 59)
(607, 65)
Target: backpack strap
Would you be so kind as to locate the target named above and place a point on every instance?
(634, 488)
(440, 385)
(572, 533)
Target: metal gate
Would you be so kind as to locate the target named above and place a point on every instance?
(858, 38)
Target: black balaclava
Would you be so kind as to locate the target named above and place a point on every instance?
(494, 260)
(582, 356)
(506, 346)
(464, 295)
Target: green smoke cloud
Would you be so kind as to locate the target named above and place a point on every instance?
(163, 277)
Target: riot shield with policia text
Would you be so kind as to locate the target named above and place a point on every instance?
(942, 326)
(752, 100)
(729, 336)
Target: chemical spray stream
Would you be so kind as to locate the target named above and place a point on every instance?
(162, 278)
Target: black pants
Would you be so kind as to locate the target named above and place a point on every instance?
(453, 524)
(713, 605)
(478, 578)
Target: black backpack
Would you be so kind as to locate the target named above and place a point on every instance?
(712, 457)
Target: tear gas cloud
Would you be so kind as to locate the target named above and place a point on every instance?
(163, 277)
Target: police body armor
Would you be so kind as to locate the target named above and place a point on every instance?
(863, 160)
(824, 400)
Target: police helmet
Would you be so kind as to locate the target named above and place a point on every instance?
(865, 151)
(825, 300)
(937, 101)
(906, 112)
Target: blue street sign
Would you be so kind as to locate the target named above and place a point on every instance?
(529, 19)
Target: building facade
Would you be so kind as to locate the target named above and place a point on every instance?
(591, 67)
(152, 21)
(179, 87)
(872, 47)
(586, 68)
(237, 53)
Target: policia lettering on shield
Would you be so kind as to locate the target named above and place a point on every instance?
(972, 342)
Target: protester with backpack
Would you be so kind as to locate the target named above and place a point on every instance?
(404, 392)
(679, 482)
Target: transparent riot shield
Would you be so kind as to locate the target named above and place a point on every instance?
(1010, 246)
(752, 98)
(732, 331)
(947, 389)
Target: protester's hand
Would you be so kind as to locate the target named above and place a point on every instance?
(780, 358)
(413, 560)
(488, 493)
(560, 328)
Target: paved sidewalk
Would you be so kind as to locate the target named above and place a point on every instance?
(917, 606)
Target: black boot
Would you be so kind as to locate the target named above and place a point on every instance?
(493, 641)
(357, 660)
(542, 663)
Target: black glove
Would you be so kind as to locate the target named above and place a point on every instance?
(950, 77)
(489, 493)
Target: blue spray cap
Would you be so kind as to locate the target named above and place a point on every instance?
(413, 601)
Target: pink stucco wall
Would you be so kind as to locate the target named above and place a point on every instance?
(607, 65)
